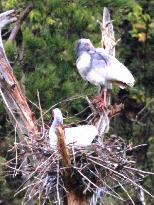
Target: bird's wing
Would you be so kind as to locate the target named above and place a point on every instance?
(110, 68)
(81, 135)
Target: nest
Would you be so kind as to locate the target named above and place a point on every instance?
(90, 173)
(96, 170)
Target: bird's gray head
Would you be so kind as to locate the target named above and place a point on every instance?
(58, 117)
(7, 17)
(82, 45)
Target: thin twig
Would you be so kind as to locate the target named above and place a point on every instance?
(41, 114)
(138, 170)
(123, 176)
(145, 107)
(16, 153)
(126, 193)
(57, 185)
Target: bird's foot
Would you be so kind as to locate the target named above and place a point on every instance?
(99, 103)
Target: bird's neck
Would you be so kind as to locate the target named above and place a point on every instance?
(55, 123)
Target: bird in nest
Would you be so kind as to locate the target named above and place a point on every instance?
(80, 136)
(96, 66)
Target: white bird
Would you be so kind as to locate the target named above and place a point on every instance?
(82, 135)
(96, 66)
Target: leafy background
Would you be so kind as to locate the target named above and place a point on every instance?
(45, 46)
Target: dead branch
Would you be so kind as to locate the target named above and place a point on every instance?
(19, 22)
(14, 100)
(108, 39)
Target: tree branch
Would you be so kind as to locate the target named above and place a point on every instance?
(14, 100)
(20, 20)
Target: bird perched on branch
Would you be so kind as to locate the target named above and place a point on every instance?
(82, 135)
(101, 69)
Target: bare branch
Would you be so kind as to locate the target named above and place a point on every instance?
(20, 20)
(13, 97)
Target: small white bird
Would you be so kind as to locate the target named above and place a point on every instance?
(99, 68)
(82, 135)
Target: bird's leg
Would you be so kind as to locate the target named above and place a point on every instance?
(100, 101)
(105, 97)
(108, 97)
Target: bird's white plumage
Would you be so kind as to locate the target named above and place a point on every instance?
(115, 70)
(81, 135)
(100, 68)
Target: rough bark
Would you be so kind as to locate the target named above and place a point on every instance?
(62, 148)
(108, 39)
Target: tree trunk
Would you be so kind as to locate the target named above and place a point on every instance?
(21, 117)
(14, 100)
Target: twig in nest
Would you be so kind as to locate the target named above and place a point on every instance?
(57, 185)
(115, 194)
(123, 176)
(96, 167)
(41, 114)
(126, 193)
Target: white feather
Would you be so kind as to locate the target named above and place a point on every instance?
(116, 70)
(81, 135)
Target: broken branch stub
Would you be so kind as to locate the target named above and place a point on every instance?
(20, 20)
(108, 43)
(108, 39)
(63, 151)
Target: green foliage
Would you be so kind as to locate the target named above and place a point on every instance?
(2, 161)
(150, 152)
(11, 50)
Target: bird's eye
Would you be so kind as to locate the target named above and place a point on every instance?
(87, 45)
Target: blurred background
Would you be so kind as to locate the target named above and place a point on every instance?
(43, 59)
